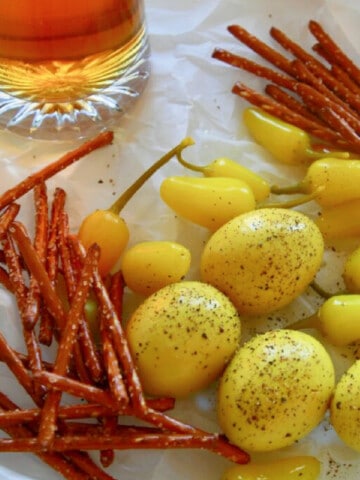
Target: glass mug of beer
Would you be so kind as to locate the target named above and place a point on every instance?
(70, 68)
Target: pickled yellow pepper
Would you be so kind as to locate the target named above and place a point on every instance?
(226, 167)
(338, 180)
(339, 319)
(340, 221)
(288, 144)
(292, 468)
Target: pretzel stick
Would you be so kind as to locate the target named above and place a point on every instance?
(65, 466)
(344, 78)
(316, 67)
(254, 68)
(46, 321)
(50, 297)
(109, 425)
(79, 411)
(112, 323)
(213, 442)
(90, 393)
(26, 361)
(334, 50)
(336, 121)
(20, 292)
(116, 292)
(47, 425)
(32, 304)
(37, 268)
(278, 60)
(290, 102)
(66, 160)
(114, 375)
(261, 48)
(117, 387)
(323, 104)
(336, 70)
(87, 345)
(280, 111)
(317, 92)
(7, 217)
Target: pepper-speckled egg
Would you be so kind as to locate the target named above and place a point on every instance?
(182, 337)
(275, 390)
(264, 259)
(345, 407)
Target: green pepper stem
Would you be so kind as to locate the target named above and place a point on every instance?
(290, 189)
(119, 204)
(190, 166)
(316, 154)
(292, 203)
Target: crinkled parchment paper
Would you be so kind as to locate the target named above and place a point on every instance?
(188, 94)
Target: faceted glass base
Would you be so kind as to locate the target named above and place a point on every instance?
(73, 99)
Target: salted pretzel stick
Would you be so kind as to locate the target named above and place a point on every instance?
(112, 323)
(50, 297)
(37, 268)
(280, 111)
(79, 411)
(26, 361)
(86, 428)
(117, 387)
(114, 374)
(316, 67)
(46, 321)
(336, 70)
(7, 217)
(318, 90)
(87, 345)
(334, 50)
(282, 97)
(344, 78)
(321, 104)
(47, 427)
(213, 442)
(336, 121)
(65, 466)
(63, 162)
(108, 427)
(116, 292)
(266, 52)
(254, 68)
(20, 292)
(90, 393)
(32, 304)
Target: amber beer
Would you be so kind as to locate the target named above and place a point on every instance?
(55, 51)
(33, 30)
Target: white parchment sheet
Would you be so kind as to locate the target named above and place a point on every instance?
(188, 94)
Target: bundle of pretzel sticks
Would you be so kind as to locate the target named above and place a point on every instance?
(318, 93)
(100, 377)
